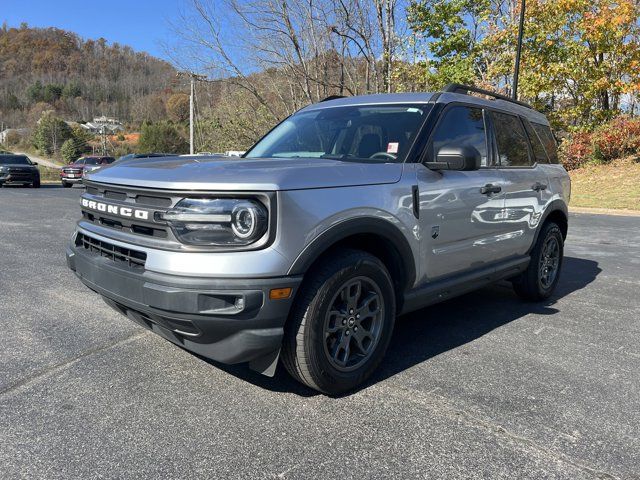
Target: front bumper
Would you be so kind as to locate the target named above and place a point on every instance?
(227, 320)
(70, 179)
(23, 178)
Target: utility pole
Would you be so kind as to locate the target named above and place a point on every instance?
(193, 77)
(103, 135)
(191, 112)
(516, 73)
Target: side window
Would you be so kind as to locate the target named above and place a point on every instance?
(538, 150)
(548, 140)
(513, 148)
(460, 126)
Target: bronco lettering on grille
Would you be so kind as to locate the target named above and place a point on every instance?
(115, 209)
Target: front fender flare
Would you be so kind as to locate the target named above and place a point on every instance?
(357, 226)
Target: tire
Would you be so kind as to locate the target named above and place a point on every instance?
(337, 333)
(540, 278)
(67, 185)
(36, 184)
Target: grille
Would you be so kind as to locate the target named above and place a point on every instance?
(19, 174)
(131, 258)
(130, 197)
(126, 226)
(72, 170)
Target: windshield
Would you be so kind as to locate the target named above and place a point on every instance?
(380, 132)
(14, 160)
(91, 161)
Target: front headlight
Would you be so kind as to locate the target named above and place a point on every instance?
(223, 222)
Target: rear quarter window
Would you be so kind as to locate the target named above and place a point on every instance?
(548, 140)
(539, 151)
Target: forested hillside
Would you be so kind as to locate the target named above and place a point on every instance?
(50, 69)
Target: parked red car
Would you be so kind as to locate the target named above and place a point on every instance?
(73, 172)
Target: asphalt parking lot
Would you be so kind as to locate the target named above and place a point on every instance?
(483, 386)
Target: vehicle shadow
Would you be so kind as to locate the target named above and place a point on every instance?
(431, 331)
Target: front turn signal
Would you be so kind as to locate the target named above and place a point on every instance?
(280, 293)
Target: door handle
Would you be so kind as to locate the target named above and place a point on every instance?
(538, 186)
(490, 188)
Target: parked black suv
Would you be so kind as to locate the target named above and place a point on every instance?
(18, 169)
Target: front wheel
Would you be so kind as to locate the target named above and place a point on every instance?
(341, 322)
(36, 184)
(540, 278)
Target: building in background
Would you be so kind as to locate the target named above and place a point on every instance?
(103, 124)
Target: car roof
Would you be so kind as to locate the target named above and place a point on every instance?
(374, 99)
(516, 108)
(431, 97)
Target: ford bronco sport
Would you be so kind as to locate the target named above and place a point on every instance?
(348, 213)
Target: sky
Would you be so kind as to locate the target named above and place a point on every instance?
(142, 24)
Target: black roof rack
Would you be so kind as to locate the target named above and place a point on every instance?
(331, 97)
(459, 88)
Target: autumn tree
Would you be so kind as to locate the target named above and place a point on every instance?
(453, 32)
(178, 107)
(580, 57)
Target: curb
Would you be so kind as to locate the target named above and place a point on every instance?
(605, 211)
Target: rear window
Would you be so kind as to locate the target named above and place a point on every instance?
(14, 160)
(548, 140)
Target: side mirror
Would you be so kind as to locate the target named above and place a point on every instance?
(457, 158)
(34, 163)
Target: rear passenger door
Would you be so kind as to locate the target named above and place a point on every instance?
(521, 162)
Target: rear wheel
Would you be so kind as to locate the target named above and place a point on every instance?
(540, 278)
(66, 185)
(341, 323)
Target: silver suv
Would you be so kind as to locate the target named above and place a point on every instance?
(350, 212)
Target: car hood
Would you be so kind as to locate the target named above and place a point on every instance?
(224, 173)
